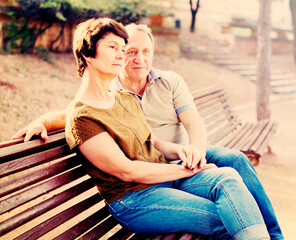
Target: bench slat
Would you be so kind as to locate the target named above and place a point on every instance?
(21, 180)
(84, 226)
(260, 149)
(33, 212)
(122, 234)
(253, 135)
(100, 230)
(33, 160)
(60, 218)
(31, 147)
(40, 189)
(231, 143)
(262, 137)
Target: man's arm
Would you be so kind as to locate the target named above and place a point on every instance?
(195, 128)
(40, 126)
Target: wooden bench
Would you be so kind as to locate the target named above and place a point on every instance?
(224, 127)
(45, 192)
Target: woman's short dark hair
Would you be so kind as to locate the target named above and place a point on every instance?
(87, 35)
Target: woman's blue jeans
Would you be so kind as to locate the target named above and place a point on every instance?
(214, 202)
(225, 157)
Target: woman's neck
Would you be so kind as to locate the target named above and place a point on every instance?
(94, 90)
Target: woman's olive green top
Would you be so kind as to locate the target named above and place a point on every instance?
(126, 124)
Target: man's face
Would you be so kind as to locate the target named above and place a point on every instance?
(138, 56)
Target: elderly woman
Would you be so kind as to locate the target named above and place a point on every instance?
(130, 166)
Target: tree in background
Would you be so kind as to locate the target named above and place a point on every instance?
(264, 56)
(293, 15)
(193, 14)
(31, 18)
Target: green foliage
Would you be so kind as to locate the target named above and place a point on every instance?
(126, 11)
(22, 36)
(18, 34)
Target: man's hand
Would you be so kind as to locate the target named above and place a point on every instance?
(192, 157)
(34, 128)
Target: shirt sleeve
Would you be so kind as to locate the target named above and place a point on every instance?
(182, 98)
(81, 129)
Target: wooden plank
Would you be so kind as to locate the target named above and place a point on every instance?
(201, 93)
(31, 147)
(223, 131)
(60, 218)
(254, 135)
(269, 128)
(23, 180)
(122, 234)
(34, 160)
(264, 145)
(99, 230)
(85, 225)
(244, 129)
(31, 213)
(33, 192)
(248, 138)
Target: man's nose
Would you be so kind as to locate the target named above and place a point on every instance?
(139, 58)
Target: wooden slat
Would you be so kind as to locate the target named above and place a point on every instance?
(100, 230)
(122, 234)
(60, 218)
(40, 189)
(238, 136)
(253, 136)
(85, 225)
(31, 147)
(31, 213)
(205, 91)
(222, 131)
(27, 179)
(266, 132)
(33, 160)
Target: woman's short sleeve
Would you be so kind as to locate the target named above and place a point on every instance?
(82, 129)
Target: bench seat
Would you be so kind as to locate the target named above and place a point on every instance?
(224, 127)
(45, 193)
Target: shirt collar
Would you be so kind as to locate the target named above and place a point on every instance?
(153, 75)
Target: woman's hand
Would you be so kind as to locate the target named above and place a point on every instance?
(34, 128)
(192, 157)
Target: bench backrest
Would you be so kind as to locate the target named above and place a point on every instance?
(219, 118)
(44, 187)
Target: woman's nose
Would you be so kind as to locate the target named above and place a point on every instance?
(119, 54)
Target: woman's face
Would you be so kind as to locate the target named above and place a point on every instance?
(109, 57)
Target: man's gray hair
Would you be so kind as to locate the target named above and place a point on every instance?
(132, 27)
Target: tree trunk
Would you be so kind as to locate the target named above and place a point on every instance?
(293, 15)
(264, 56)
(193, 14)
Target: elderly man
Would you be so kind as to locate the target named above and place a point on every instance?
(169, 109)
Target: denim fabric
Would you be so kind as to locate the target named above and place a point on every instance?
(225, 157)
(214, 202)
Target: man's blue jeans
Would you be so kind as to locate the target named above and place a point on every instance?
(214, 202)
(225, 157)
